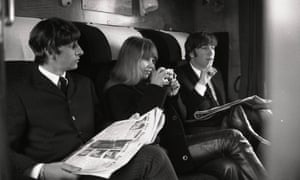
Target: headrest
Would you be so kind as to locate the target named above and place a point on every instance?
(181, 38)
(17, 71)
(116, 36)
(94, 44)
(169, 52)
(222, 54)
(96, 50)
(16, 38)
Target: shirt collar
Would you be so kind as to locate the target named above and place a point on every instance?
(51, 76)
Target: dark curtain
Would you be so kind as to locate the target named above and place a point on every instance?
(252, 79)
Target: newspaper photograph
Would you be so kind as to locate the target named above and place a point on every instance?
(113, 147)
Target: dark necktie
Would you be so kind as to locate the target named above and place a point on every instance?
(63, 84)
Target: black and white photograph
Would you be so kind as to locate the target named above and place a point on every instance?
(149, 89)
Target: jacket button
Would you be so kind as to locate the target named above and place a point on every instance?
(185, 157)
(174, 117)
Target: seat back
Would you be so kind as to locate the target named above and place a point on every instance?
(17, 71)
(169, 51)
(16, 38)
(222, 56)
(18, 56)
(96, 50)
(180, 38)
(116, 36)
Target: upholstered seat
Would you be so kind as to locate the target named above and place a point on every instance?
(169, 51)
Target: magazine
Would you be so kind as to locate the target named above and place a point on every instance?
(253, 101)
(113, 147)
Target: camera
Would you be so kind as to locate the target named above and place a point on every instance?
(170, 75)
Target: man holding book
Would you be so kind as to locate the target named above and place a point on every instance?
(53, 112)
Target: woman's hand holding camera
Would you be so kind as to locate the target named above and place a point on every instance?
(159, 77)
(173, 84)
(166, 78)
(174, 87)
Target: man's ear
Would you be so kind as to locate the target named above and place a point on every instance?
(50, 53)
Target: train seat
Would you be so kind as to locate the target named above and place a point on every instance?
(16, 39)
(181, 37)
(116, 35)
(18, 56)
(96, 50)
(222, 56)
(169, 51)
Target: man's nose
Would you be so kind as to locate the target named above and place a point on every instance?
(211, 51)
(79, 51)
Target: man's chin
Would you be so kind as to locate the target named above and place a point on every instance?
(74, 67)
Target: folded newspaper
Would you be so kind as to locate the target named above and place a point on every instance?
(113, 147)
(253, 101)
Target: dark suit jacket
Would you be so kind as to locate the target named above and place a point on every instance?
(191, 99)
(43, 124)
(123, 101)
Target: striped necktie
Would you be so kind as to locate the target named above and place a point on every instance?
(212, 94)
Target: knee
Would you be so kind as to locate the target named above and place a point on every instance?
(234, 134)
(223, 168)
(228, 169)
(235, 138)
(153, 154)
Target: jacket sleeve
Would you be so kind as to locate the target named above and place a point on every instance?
(17, 128)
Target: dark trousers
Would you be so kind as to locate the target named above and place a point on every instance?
(150, 163)
(225, 154)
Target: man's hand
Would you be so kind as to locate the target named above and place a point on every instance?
(207, 74)
(135, 116)
(58, 171)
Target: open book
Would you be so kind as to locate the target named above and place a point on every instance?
(253, 101)
(113, 147)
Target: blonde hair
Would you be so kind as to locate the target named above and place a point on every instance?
(127, 70)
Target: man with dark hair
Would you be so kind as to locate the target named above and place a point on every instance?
(202, 88)
(53, 112)
(195, 78)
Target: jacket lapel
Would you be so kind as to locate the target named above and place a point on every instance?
(219, 87)
(189, 77)
(43, 83)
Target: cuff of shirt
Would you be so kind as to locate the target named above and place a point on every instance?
(35, 171)
(200, 89)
